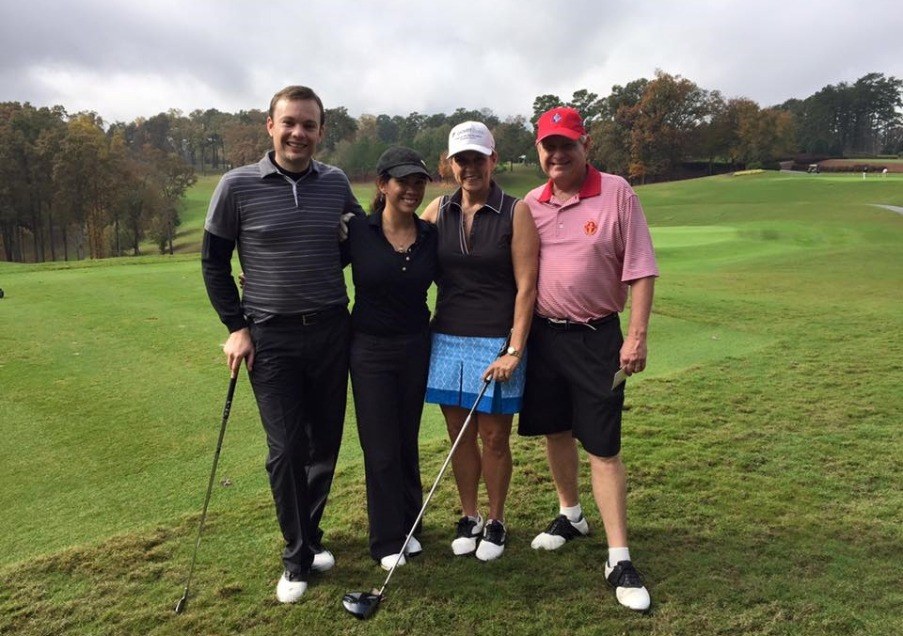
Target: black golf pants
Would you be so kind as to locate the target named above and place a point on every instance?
(300, 381)
(388, 379)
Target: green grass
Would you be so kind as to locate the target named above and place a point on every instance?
(762, 447)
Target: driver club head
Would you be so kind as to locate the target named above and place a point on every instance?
(362, 605)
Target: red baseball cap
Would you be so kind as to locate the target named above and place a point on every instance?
(560, 120)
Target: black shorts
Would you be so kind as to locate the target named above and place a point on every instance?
(569, 383)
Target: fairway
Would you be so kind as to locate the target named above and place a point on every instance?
(762, 445)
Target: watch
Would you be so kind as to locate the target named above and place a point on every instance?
(513, 352)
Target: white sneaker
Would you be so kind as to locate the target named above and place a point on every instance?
(290, 588)
(493, 542)
(559, 532)
(388, 561)
(323, 560)
(466, 534)
(628, 584)
(413, 548)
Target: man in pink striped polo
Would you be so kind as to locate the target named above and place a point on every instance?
(594, 248)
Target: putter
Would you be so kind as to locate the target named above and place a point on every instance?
(364, 604)
(180, 606)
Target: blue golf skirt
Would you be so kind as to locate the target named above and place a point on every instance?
(457, 364)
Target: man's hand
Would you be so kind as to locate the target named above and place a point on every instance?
(633, 354)
(237, 348)
(343, 225)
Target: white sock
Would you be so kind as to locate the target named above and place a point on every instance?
(573, 513)
(616, 555)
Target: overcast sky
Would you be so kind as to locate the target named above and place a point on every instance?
(130, 58)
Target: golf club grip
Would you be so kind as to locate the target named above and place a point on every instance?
(227, 407)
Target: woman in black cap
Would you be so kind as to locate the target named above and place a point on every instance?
(393, 262)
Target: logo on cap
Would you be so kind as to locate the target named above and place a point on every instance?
(556, 117)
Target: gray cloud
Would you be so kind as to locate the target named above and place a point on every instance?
(124, 58)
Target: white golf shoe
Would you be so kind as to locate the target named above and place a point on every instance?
(413, 548)
(290, 588)
(388, 561)
(323, 560)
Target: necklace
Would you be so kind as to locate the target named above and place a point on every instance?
(402, 239)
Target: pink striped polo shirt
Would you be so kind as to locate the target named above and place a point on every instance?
(590, 247)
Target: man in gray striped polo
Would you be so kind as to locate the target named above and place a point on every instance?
(291, 325)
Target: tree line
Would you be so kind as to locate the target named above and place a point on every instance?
(72, 186)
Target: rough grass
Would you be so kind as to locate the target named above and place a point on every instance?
(762, 446)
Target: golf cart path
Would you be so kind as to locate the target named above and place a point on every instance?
(892, 208)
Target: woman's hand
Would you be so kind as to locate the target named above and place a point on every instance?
(502, 368)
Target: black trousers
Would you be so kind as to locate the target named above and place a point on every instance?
(300, 381)
(388, 379)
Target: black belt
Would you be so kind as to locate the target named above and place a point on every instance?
(306, 319)
(563, 324)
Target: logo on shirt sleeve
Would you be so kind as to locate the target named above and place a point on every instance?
(590, 227)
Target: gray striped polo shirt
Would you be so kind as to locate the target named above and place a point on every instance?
(287, 235)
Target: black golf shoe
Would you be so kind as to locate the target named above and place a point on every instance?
(628, 584)
(559, 532)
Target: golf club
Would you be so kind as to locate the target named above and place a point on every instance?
(180, 606)
(364, 604)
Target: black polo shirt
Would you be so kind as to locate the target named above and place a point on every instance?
(390, 287)
(476, 284)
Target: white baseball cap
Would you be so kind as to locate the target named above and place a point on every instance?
(470, 135)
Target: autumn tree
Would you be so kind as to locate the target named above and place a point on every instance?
(81, 177)
(610, 132)
(173, 177)
(245, 140)
(664, 125)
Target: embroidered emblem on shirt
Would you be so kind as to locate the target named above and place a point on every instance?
(589, 228)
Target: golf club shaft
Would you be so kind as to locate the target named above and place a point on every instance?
(219, 445)
(426, 502)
